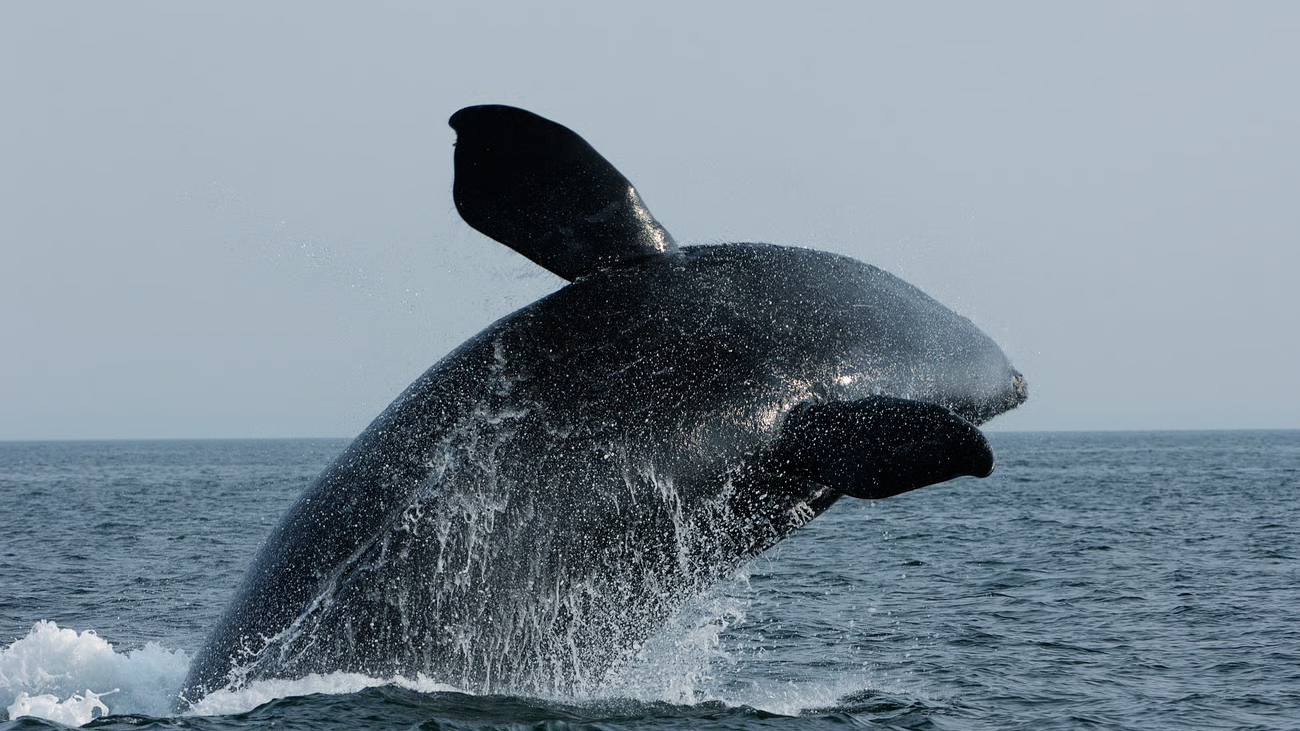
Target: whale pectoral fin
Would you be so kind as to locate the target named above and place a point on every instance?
(880, 446)
(539, 188)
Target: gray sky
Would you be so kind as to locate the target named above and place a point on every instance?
(235, 219)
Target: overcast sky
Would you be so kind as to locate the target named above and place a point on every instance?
(234, 219)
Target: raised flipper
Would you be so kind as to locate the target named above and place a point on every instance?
(880, 446)
(539, 188)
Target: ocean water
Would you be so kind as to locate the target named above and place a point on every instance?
(1096, 581)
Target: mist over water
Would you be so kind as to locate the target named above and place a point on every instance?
(1107, 580)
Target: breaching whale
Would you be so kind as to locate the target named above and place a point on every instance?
(543, 498)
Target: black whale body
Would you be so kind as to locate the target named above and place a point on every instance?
(543, 498)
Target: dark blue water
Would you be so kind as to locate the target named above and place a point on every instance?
(1096, 581)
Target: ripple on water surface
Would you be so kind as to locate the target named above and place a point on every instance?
(1135, 580)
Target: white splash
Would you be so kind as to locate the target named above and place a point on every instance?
(227, 702)
(74, 677)
(678, 664)
(690, 661)
(70, 677)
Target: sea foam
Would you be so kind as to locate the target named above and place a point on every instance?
(226, 702)
(74, 677)
(71, 677)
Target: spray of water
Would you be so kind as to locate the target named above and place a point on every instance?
(71, 676)
(74, 677)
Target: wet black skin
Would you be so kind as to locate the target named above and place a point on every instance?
(543, 498)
